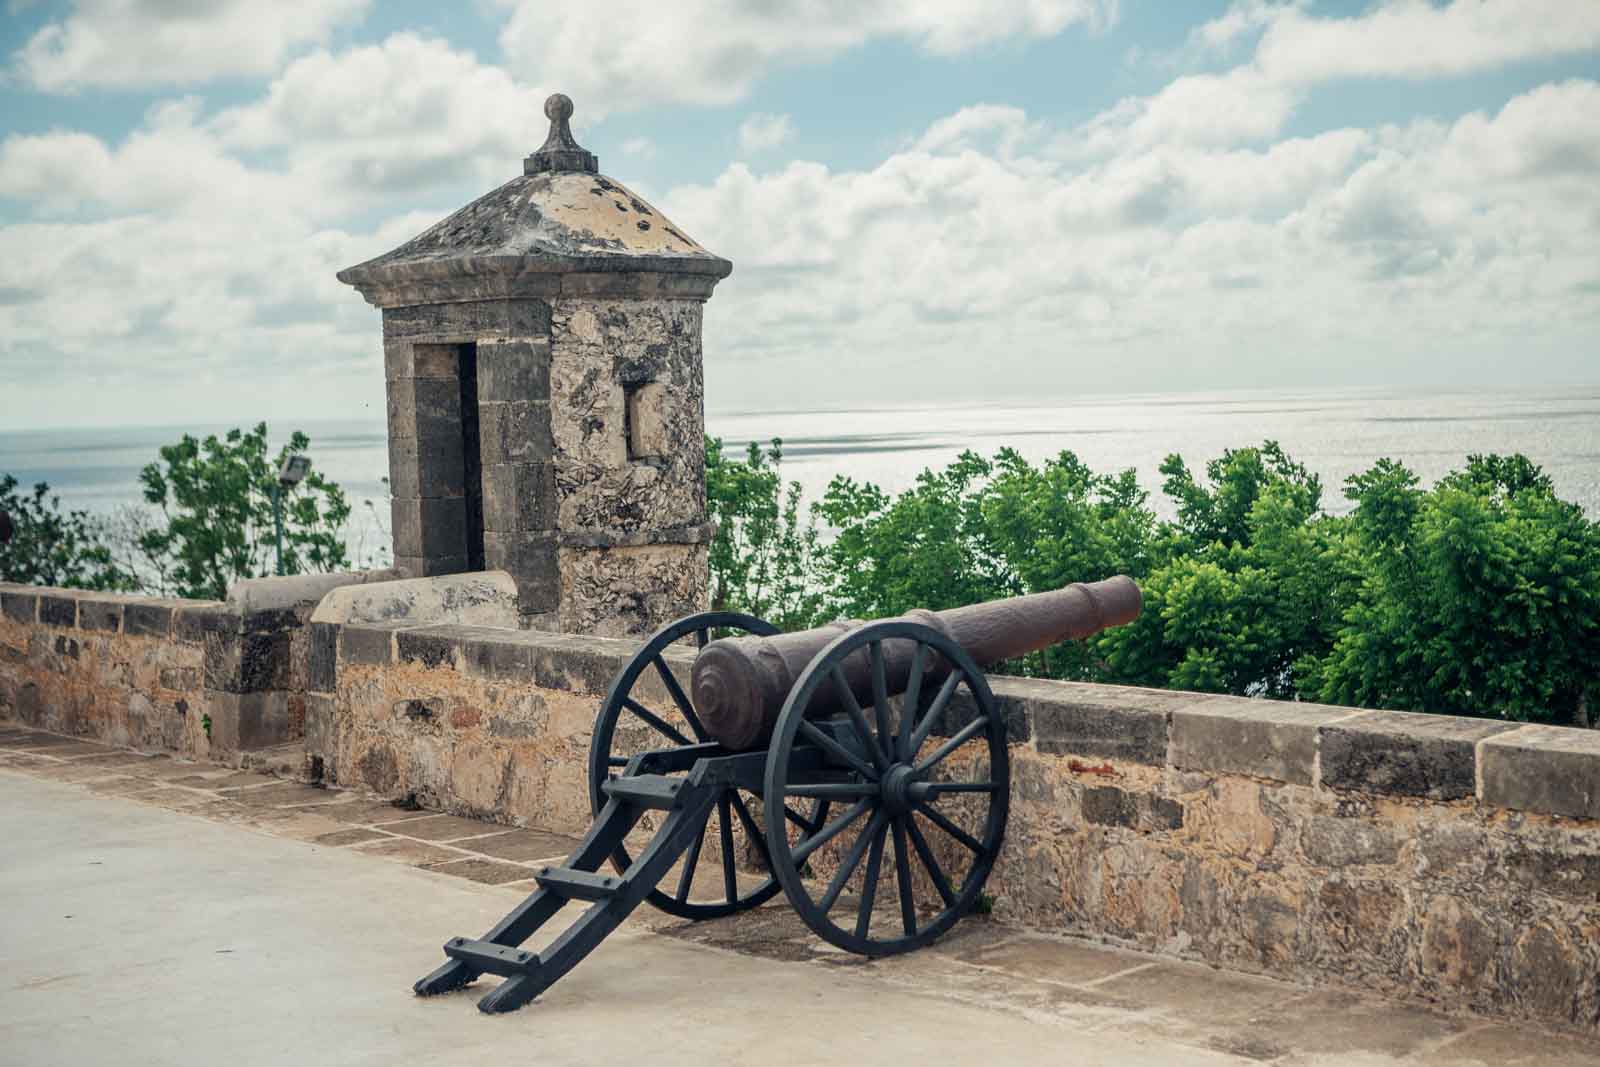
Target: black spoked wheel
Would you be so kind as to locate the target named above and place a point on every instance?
(938, 803)
(628, 724)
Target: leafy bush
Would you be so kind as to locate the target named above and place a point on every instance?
(49, 546)
(1480, 596)
(215, 499)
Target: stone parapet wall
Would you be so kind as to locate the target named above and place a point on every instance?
(123, 670)
(1446, 860)
(204, 679)
(1441, 859)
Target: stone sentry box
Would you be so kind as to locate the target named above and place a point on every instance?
(545, 395)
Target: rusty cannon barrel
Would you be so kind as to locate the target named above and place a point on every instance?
(740, 683)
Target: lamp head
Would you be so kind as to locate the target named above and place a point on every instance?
(294, 469)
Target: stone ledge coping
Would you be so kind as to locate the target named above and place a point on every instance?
(1552, 770)
(140, 616)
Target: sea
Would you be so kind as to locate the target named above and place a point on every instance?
(1335, 433)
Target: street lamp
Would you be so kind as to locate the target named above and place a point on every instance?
(293, 469)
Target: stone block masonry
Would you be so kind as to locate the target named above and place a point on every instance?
(1450, 861)
(205, 679)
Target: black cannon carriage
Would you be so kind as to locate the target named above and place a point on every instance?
(884, 734)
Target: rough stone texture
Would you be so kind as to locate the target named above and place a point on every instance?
(199, 678)
(1543, 768)
(290, 592)
(486, 598)
(599, 350)
(1430, 756)
(565, 222)
(1261, 738)
(1102, 720)
(615, 592)
(124, 687)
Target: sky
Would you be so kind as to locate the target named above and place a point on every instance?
(925, 201)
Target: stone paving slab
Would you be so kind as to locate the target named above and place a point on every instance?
(281, 794)
(1090, 996)
(340, 838)
(416, 853)
(480, 870)
(368, 813)
(525, 845)
(442, 828)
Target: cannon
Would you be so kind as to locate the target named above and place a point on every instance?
(881, 734)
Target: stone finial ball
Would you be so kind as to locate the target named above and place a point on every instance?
(558, 108)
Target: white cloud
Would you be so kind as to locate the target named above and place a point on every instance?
(198, 253)
(639, 148)
(1176, 240)
(404, 115)
(1297, 51)
(1165, 265)
(645, 52)
(1418, 39)
(762, 132)
(137, 43)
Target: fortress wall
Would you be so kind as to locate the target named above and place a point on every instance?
(1446, 860)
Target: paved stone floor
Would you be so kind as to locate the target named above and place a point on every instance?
(157, 912)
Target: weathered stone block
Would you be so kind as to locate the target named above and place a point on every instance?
(532, 560)
(194, 620)
(651, 431)
(57, 610)
(366, 644)
(1458, 946)
(433, 528)
(1560, 871)
(1096, 720)
(429, 648)
(432, 467)
(180, 679)
(519, 497)
(508, 658)
(222, 652)
(147, 620)
(578, 663)
(435, 361)
(514, 432)
(1260, 738)
(1553, 769)
(264, 720)
(511, 372)
(1110, 806)
(20, 607)
(1334, 842)
(322, 658)
(104, 615)
(321, 726)
(469, 321)
(1404, 754)
(424, 408)
(398, 360)
(244, 722)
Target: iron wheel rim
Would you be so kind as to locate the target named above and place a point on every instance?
(884, 822)
(603, 761)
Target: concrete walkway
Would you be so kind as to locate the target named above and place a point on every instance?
(213, 934)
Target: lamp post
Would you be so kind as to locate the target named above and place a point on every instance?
(293, 469)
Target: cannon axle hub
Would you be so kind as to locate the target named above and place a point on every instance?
(897, 789)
